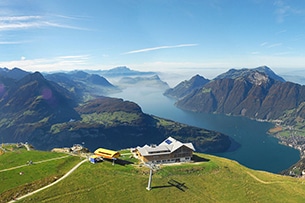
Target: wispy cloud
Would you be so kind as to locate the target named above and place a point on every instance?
(18, 18)
(26, 22)
(19, 22)
(51, 24)
(263, 44)
(282, 10)
(274, 45)
(268, 45)
(74, 57)
(71, 62)
(12, 42)
(16, 26)
(282, 53)
(160, 47)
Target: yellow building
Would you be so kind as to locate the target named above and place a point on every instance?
(107, 153)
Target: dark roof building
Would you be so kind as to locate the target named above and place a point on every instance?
(169, 151)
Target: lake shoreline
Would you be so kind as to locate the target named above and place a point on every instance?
(258, 149)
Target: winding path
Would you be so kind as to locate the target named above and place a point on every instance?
(261, 181)
(36, 162)
(257, 179)
(50, 185)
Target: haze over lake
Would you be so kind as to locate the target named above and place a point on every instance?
(258, 149)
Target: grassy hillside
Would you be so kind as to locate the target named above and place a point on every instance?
(211, 179)
(18, 177)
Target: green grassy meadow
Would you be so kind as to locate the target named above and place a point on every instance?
(211, 179)
(17, 177)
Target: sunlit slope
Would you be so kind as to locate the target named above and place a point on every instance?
(212, 180)
(18, 177)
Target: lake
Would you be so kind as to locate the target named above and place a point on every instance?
(258, 150)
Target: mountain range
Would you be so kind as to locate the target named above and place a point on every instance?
(15, 73)
(121, 71)
(150, 81)
(256, 93)
(187, 86)
(61, 109)
(82, 84)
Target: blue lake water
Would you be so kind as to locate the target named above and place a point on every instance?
(258, 149)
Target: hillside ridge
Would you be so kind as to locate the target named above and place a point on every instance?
(222, 180)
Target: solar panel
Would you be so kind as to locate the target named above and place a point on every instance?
(168, 142)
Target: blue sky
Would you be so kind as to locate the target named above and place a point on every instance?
(168, 35)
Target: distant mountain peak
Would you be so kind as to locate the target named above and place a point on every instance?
(256, 93)
(263, 68)
(121, 68)
(79, 74)
(36, 76)
(187, 86)
(150, 81)
(156, 77)
(256, 75)
(197, 80)
(15, 73)
(123, 71)
(270, 73)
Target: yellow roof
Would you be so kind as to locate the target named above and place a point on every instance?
(106, 153)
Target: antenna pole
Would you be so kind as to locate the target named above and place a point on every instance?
(149, 180)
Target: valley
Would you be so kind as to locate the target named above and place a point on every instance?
(65, 110)
(85, 115)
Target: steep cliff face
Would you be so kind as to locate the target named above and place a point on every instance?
(250, 93)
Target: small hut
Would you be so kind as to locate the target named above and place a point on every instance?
(94, 159)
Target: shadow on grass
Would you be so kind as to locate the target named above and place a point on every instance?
(196, 158)
(173, 183)
(119, 161)
(123, 162)
(161, 186)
